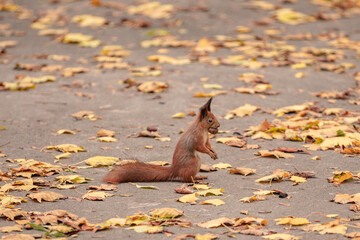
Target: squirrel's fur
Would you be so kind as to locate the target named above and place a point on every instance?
(185, 164)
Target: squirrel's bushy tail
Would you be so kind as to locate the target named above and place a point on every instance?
(138, 172)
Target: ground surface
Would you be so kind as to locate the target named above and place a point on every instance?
(33, 117)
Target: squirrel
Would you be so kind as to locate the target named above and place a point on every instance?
(186, 162)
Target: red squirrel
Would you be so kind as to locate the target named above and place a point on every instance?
(186, 162)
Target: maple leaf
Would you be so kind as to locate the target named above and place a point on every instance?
(242, 170)
(276, 154)
(152, 87)
(166, 213)
(215, 202)
(96, 195)
(242, 111)
(292, 221)
(216, 222)
(47, 196)
(189, 198)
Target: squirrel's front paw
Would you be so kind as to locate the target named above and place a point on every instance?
(213, 155)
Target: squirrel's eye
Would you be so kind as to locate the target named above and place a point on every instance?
(210, 120)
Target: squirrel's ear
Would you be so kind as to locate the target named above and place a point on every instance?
(205, 109)
(207, 105)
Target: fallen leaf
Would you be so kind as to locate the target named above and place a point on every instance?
(62, 156)
(178, 115)
(298, 179)
(72, 148)
(87, 20)
(292, 221)
(210, 192)
(242, 171)
(207, 95)
(8, 229)
(242, 111)
(96, 195)
(222, 165)
(18, 236)
(189, 198)
(147, 229)
(100, 161)
(276, 154)
(281, 236)
(105, 133)
(147, 187)
(215, 202)
(107, 139)
(152, 87)
(47, 196)
(166, 213)
(72, 179)
(216, 222)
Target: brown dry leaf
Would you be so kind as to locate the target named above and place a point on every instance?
(207, 236)
(210, 192)
(96, 195)
(276, 154)
(152, 87)
(292, 221)
(107, 139)
(65, 131)
(151, 134)
(242, 111)
(258, 88)
(100, 161)
(251, 77)
(72, 148)
(289, 16)
(105, 133)
(333, 227)
(291, 150)
(222, 165)
(168, 59)
(72, 71)
(14, 228)
(253, 198)
(281, 236)
(18, 236)
(184, 189)
(47, 196)
(297, 179)
(166, 213)
(12, 213)
(147, 229)
(341, 176)
(347, 198)
(204, 45)
(154, 10)
(211, 94)
(215, 202)
(87, 20)
(216, 222)
(242, 170)
(85, 114)
(81, 40)
(104, 187)
(290, 109)
(277, 175)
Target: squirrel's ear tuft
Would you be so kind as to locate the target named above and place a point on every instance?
(205, 109)
(207, 105)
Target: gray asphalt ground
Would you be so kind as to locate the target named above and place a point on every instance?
(32, 117)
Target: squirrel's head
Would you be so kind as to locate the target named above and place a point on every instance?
(207, 119)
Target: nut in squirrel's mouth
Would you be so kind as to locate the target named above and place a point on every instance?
(213, 130)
